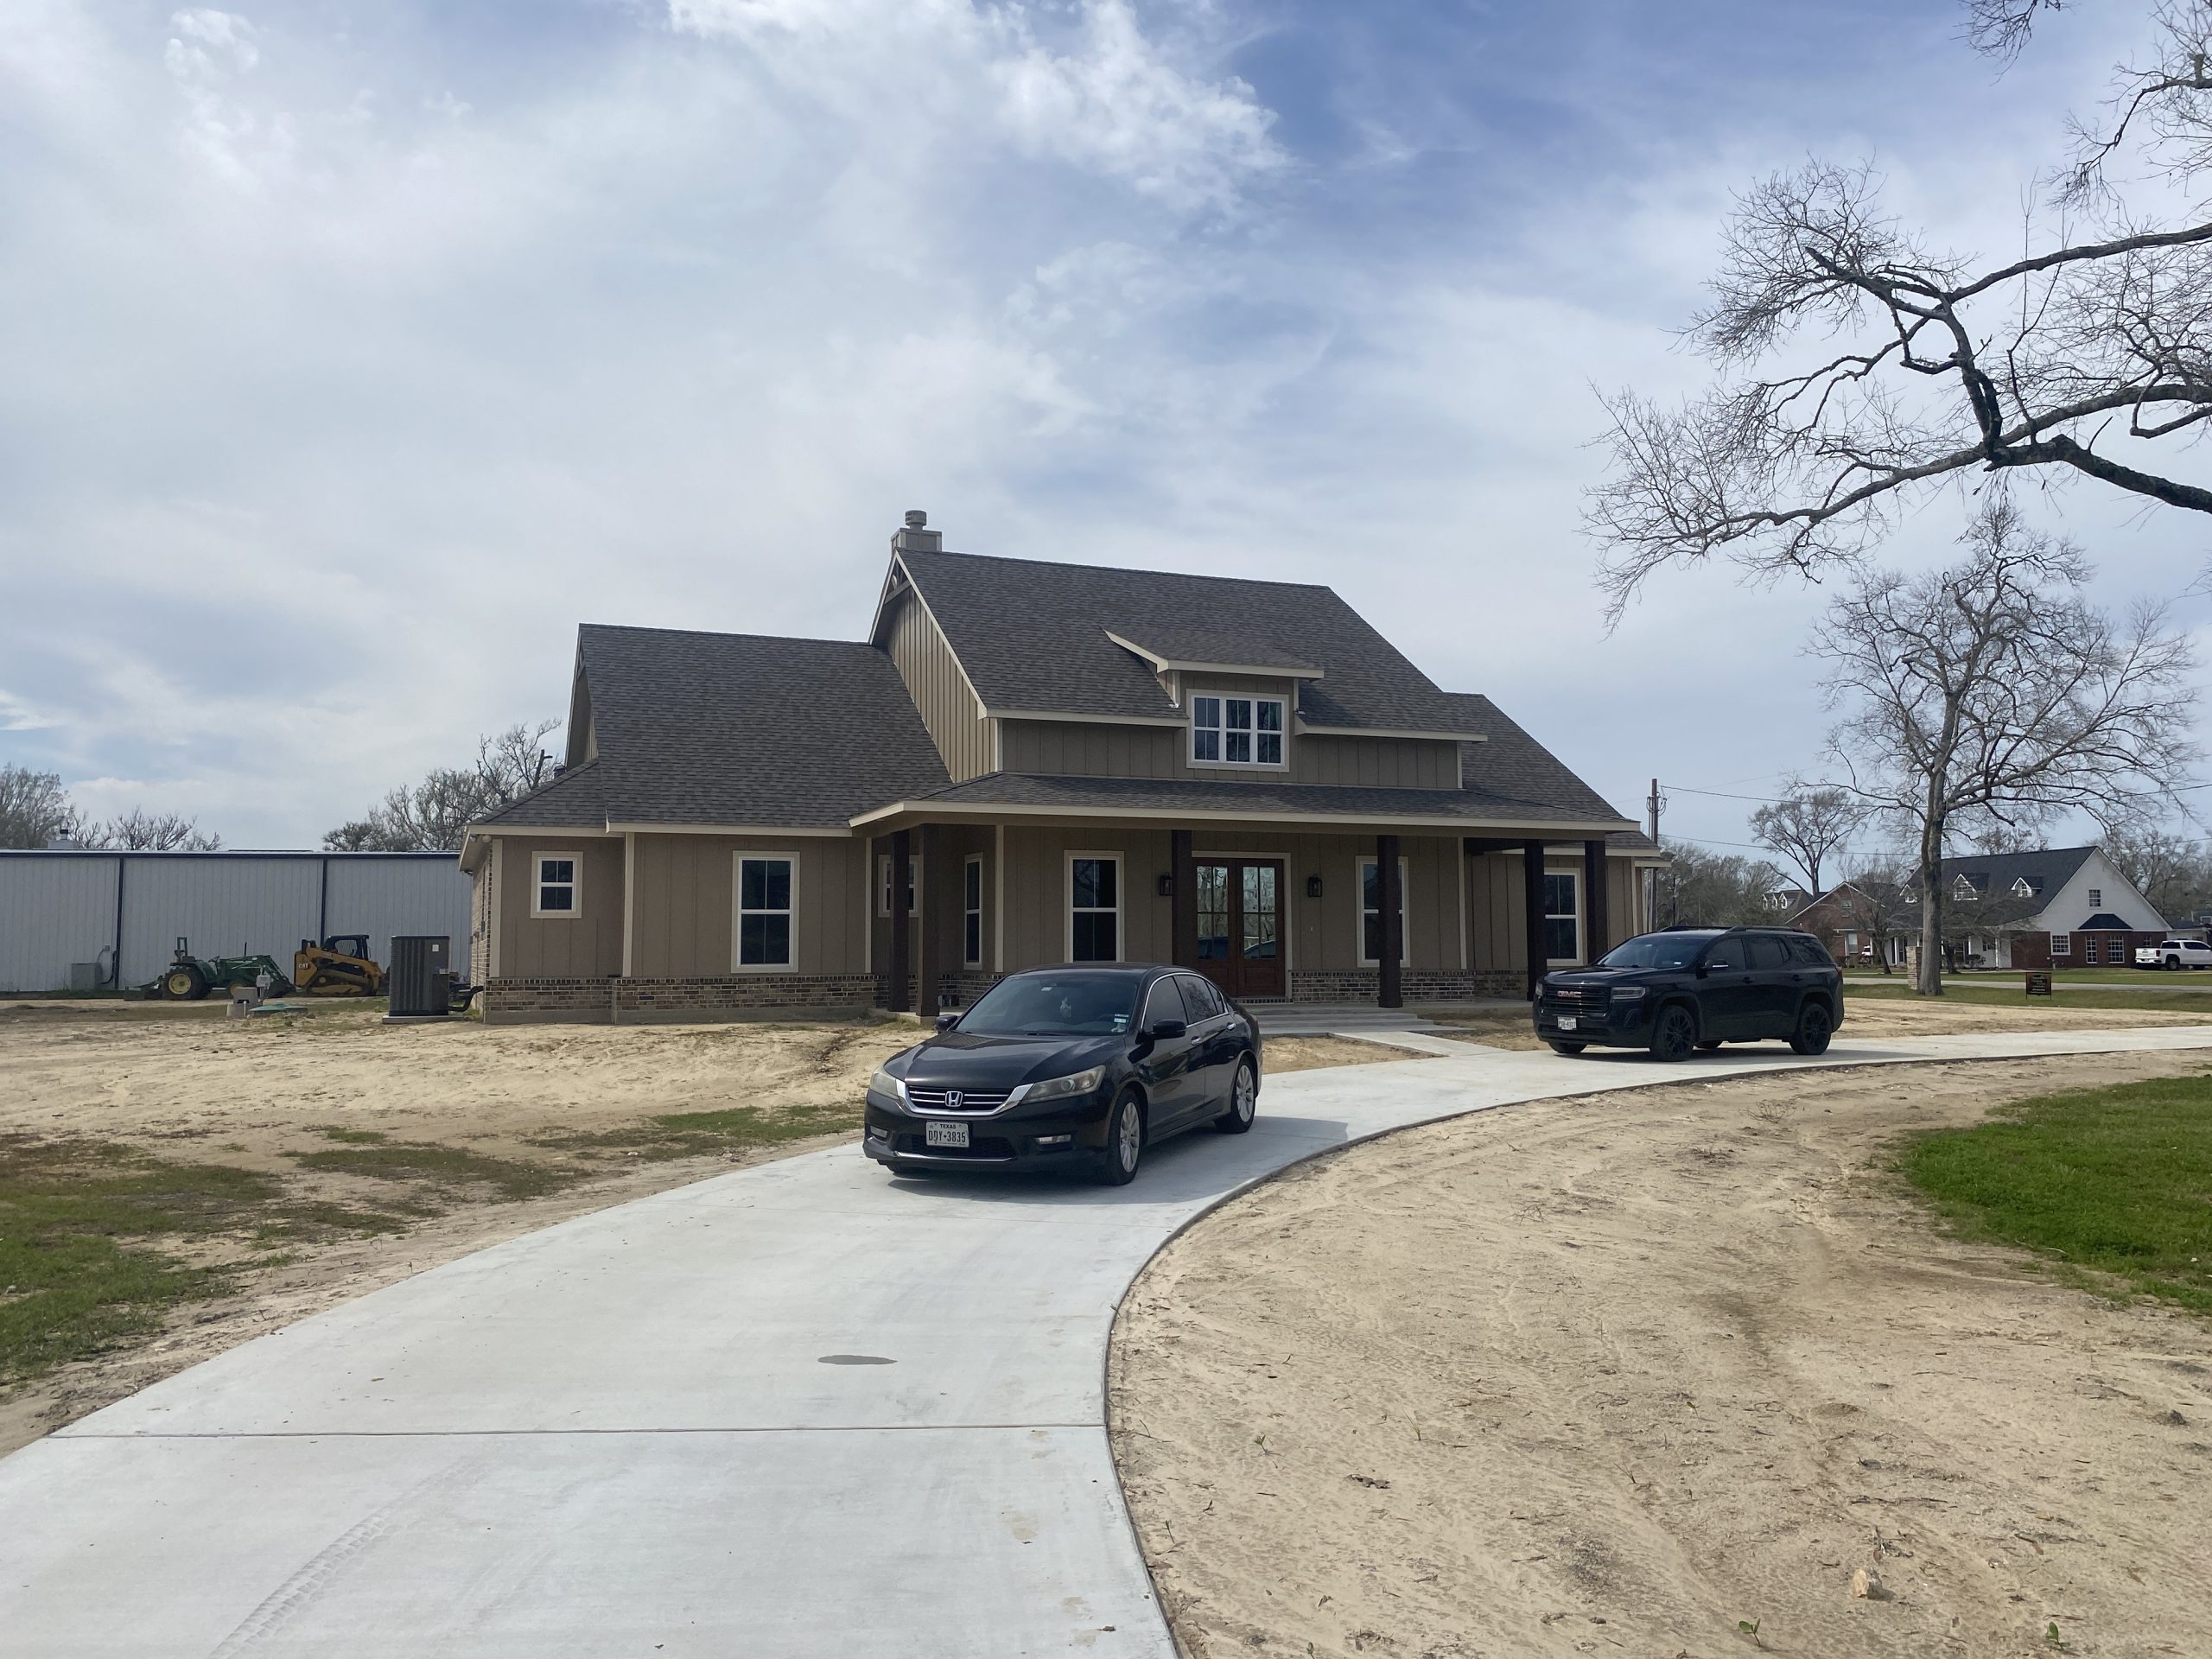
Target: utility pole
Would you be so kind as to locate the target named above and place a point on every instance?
(1651, 877)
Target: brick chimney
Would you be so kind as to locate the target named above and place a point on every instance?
(915, 537)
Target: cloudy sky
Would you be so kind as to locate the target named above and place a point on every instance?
(355, 352)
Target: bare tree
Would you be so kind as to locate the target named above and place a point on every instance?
(1860, 366)
(141, 831)
(1707, 889)
(432, 816)
(1876, 899)
(2171, 871)
(34, 809)
(1808, 825)
(1993, 692)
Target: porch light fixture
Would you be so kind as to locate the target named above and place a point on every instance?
(1166, 884)
(1312, 886)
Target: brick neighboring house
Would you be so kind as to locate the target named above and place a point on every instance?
(1025, 763)
(2060, 907)
(1862, 923)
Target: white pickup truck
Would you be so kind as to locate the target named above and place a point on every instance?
(2174, 953)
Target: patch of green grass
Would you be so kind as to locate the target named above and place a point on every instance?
(350, 1137)
(437, 1166)
(75, 1273)
(2011, 996)
(2115, 1181)
(693, 1134)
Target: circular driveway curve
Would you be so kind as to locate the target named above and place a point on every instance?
(799, 1410)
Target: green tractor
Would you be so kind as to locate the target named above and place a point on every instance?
(189, 978)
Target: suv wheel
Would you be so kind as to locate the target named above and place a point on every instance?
(1676, 1034)
(1567, 1048)
(1811, 1036)
(1117, 1165)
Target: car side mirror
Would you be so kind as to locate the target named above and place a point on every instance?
(947, 1021)
(1703, 968)
(1168, 1029)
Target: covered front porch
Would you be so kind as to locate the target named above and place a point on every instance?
(1387, 915)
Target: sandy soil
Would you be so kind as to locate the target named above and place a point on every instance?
(186, 1085)
(1632, 1374)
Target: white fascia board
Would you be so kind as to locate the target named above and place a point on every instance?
(1065, 717)
(1309, 730)
(838, 832)
(979, 812)
(1182, 665)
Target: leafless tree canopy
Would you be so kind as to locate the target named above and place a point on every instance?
(1993, 693)
(33, 808)
(1806, 827)
(141, 831)
(2174, 872)
(432, 816)
(1860, 364)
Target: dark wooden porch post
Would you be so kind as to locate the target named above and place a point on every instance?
(1532, 898)
(1393, 899)
(897, 995)
(932, 940)
(1182, 872)
(1597, 922)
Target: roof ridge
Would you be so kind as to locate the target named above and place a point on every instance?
(1125, 570)
(721, 633)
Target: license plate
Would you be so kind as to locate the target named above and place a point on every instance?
(944, 1134)
(1567, 1022)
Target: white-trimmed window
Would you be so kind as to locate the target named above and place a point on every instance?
(971, 906)
(883, 884)
(2062, 944)
(1094, 907)
(766, 886)
(558, 889)
(1371, 914)
(1562, 916)
(2096, 897)
(1236, 731)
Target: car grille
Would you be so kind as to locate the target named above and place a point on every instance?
(1577, 999)
(937, 1100)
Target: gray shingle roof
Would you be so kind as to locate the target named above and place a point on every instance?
(1997, 872)
(1195, 644)
(739, 729)
(1031, 636)
(574, 800)
(1514, 764)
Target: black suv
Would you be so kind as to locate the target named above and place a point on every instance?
(1696, 987)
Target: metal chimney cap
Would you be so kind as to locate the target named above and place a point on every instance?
(916, 519)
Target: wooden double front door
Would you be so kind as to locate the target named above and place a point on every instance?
(1240, 925)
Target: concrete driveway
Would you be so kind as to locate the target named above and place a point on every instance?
(799, 1410)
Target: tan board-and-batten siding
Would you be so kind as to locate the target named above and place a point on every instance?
(1083, 749)
(948, 704)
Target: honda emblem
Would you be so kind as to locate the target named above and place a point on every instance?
(953, 1098)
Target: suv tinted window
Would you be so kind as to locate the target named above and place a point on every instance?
(1768, 951)
(1806, 950)
(1725, 953)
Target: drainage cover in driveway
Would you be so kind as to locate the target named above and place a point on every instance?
(854, 1359)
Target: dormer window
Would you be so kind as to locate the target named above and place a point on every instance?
(1236, 731)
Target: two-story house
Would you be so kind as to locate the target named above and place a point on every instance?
(1028, 763)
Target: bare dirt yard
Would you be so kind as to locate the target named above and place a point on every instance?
(1657, 1374)
(173, 1182)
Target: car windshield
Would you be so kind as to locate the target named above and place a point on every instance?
(1658, 950)
(1055, 1005)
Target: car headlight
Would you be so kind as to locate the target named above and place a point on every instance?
(1630, 993)
(884, 1083)
(1076, 1083)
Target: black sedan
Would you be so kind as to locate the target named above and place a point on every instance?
(1084, 1065)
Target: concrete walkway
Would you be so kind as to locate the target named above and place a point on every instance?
(803, 1409)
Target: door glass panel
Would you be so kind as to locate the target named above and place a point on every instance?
(1727, 953)
(1261, 914)
(1213, 912)
(1200, 1000)
(1768, 952)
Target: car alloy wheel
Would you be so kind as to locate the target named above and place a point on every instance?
(1117, 1166)
(1243, 1102)
(1676, 1034)
(1812, 1036)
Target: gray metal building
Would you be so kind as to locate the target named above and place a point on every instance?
(58, 908)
